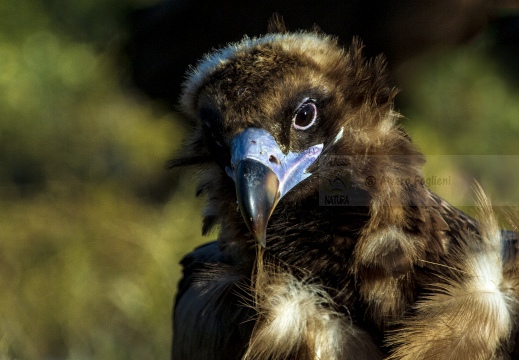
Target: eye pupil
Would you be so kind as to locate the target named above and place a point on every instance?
(305, 116)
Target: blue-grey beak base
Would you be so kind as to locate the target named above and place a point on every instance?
(264, 174)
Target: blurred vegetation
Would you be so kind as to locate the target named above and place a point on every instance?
(90, 233)
(91, 226)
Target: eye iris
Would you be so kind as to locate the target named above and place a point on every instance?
(305, 116)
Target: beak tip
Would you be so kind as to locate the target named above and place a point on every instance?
(260, 235)
(262, 241)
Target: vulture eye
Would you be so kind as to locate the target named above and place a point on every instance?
(305, 116)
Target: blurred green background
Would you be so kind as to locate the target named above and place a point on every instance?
(90, 237)
(91, 225)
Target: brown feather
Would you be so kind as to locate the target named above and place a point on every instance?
(469, 315)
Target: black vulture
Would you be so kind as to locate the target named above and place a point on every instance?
(330, 245)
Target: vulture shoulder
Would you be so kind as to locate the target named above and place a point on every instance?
(212, 319)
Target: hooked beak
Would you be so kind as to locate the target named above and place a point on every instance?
(263, 174)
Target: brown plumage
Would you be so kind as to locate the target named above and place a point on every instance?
(390, 269)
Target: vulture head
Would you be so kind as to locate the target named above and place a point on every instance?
(299, 150)
(282, 116)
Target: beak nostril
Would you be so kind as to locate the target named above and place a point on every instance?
(273, 159)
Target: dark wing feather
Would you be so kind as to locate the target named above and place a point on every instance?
(211, 301)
